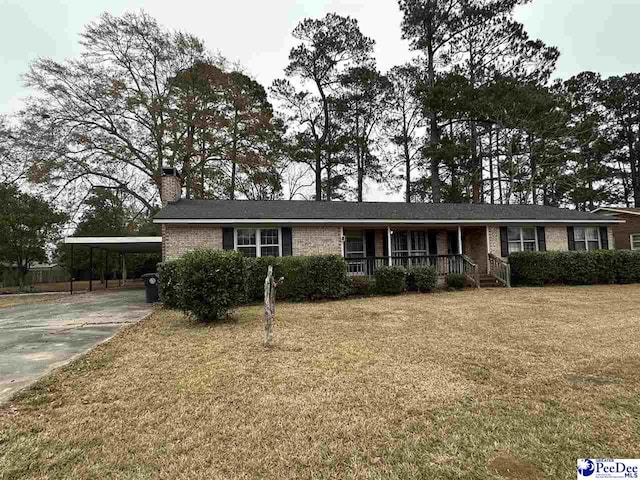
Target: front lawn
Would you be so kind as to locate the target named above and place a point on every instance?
(477, 384)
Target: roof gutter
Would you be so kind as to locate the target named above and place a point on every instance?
(615, 210)
(338, 221)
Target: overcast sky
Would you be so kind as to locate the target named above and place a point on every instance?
(600, 35)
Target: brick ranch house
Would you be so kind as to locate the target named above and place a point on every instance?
(625, 235)
(472, 239)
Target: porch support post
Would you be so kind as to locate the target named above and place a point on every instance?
(459, 240)
(342, 241)
(389, 245)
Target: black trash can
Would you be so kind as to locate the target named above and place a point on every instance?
(151, 281)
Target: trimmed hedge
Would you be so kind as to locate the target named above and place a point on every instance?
(305, 278)
(575, 268)
(422, 278)
(390, 280)
(455, 280)
(211, 282)
(169, 284)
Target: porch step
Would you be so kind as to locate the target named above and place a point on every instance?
(489, 281)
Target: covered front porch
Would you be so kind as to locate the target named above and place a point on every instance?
(450, 249)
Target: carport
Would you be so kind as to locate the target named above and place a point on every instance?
(117, 245)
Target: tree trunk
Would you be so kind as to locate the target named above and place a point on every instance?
(318, 172)
(434, 134)
(476, 165)
(499, 168)
(234, 156)
(407, 162)
(360, 162)
(186, 166)
(491, 178)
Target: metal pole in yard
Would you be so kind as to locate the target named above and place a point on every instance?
(91, 269)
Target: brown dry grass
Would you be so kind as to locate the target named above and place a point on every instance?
(78, 286)
(26, 299)
(477, 384)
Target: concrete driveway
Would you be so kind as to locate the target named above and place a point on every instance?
(37, 338)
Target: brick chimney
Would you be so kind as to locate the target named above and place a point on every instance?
(170, 186)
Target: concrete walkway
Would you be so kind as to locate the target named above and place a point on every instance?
(35, 339)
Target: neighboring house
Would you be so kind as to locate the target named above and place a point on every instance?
(473, 239)
(627, 234)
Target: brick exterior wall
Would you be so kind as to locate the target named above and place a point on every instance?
(494, 240)
(380, 234)
(170, 189)
(179, 239)
(317, 240)
(622, 232)
(475, 245)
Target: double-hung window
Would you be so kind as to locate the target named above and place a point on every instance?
(407, 244)
(635, 241)
(258, 242)
(522, 239)
(587, 238)
(354, 244)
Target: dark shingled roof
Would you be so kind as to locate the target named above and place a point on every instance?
(309, 210)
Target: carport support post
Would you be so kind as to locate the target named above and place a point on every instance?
(106, 269)
(120, 277)
(124, 269)
(91, 269)
(71, 273)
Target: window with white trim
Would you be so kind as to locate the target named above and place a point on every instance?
(587, 238)
(635, 241)
(258, 242)
(522, 239)
(407, 244)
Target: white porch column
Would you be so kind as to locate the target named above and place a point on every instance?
(389, 244)
(124, 270)
(459, 240)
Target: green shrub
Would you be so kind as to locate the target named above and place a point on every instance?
(455, 280)
(362, 286)
(422, 278)
(575, 268)
(256, 273)
(211, 282)
(390, 280)
(169, 284)
(305, 278)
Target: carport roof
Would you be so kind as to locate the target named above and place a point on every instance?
(119, 244)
